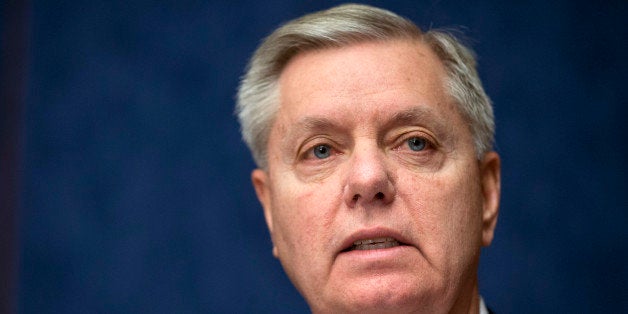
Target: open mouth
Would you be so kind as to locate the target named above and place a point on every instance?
(373, 244)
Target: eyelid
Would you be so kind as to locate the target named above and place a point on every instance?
(401, 140)
(306, 149)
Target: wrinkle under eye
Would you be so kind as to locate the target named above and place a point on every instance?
(322, 151)
(417, 144)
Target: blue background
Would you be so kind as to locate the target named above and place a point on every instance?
(136, 194)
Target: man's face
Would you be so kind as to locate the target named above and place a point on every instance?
(373, 195)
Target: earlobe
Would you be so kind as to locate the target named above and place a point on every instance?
(260, 183)
(491, 186)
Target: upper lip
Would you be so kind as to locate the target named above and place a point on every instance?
(371, 233)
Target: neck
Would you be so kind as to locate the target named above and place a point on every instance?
(469, 299)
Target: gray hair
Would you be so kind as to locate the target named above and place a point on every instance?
(344, 25)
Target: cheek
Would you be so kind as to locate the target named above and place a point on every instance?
(447, 210)
(303, 216)
(303, 228)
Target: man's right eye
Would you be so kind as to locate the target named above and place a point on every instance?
(322, 151)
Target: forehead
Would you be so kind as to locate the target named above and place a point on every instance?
(363, 83)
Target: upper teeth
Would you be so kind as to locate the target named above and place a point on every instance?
(371, 241)
(374, 244)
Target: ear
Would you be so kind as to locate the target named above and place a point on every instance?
(259, 178)
(490, 171)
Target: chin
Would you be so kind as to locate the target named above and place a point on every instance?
(384, 295)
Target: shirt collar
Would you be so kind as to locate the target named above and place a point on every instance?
(483, 309)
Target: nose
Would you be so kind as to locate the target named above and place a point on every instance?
(368, 179)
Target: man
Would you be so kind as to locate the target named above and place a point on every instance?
(376, 171)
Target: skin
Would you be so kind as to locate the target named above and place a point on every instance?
(361, 105)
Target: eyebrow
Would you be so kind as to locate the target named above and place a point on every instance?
(407, 116)
(314, 123)
(308, 125)
(418, 115)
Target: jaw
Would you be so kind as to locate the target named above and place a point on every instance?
(397, 299)
(416, 288)
(380, 281)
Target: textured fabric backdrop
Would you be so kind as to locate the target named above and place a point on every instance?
(136, 194)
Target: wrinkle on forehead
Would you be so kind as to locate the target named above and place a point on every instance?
(377, 67)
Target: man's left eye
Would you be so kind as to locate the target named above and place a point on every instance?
(417, 144)
(322, 151)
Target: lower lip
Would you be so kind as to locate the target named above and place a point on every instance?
(394, 253)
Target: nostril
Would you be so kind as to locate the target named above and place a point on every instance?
(355, 197)
(379, 196)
